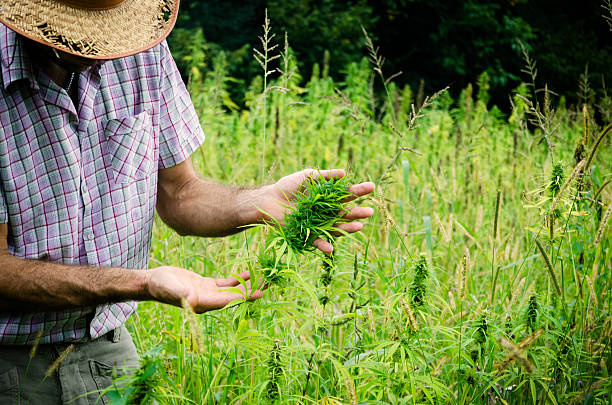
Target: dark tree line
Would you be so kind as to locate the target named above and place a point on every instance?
(439, 41)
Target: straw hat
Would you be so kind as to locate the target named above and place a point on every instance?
(95, 29)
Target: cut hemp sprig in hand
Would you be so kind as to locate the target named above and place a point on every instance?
(315, 213)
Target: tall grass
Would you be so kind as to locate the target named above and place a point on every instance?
(510, 306)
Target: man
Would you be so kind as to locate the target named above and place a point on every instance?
(96, 130)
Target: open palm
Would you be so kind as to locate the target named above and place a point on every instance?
(172, 284)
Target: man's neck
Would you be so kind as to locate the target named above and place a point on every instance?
(46, 60)
(43, 59)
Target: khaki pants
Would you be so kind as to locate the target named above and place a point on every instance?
(78, 380)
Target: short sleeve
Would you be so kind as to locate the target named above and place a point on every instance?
(180, 130)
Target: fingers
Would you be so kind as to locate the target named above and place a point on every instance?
(232, 281)
(326, 174)
(359, 190)
(323, 246)
(358, 213)
(255, 295)
(350, 227)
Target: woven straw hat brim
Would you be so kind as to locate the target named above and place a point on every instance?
(130, 28)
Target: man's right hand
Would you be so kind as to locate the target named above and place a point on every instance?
(172, 284)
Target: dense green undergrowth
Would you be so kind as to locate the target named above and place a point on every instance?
(484, 276)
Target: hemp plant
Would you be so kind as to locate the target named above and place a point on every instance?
(318, 208)
(273, 268)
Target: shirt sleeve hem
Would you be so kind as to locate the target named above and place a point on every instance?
(186, 149)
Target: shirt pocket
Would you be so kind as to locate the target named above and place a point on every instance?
(131, 147)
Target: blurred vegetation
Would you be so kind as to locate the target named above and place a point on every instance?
(439, 42)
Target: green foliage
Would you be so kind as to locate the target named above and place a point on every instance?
(418, 288)
(482, 329)
(273, 268)
(531, 315)
(138, 388)
(556, 179)
(275, 370)
(317, 210)
(348, 328)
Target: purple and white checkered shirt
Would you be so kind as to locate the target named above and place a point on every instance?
(78, 184)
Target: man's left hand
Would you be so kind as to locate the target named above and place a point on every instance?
(277, 196)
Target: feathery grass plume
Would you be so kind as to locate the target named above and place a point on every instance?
(601, 230)
(327, 400)
(495, 271)
(496, 217)
(465, 262)
(350, 390)
(531, 315)
(413, 118)
(378, 61)
(592, 291)
(516, 352)
(317, 209)
(607, 6)
(275, 371)
(36, 343)
(418, 288)
(371, 321)
(55, 365)
(388, 222)
(542, 116)
(195, 335)
(585, 93)
(549, 267)
(407, 309)
(264, 57)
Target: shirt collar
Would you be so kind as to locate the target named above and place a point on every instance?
(15, 64)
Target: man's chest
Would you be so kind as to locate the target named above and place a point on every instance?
(79, 182)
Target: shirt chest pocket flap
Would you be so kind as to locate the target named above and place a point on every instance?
(130, 146)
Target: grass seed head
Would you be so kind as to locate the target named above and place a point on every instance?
(56, 364)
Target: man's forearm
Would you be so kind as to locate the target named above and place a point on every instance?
(204, 208)
(35, 285)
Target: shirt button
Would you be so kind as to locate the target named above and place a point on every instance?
(83, 188)
(89, 235)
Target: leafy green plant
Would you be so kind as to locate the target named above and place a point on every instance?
(318, 208)
(510, 314)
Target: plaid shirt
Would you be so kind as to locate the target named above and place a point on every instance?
(78, 184)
